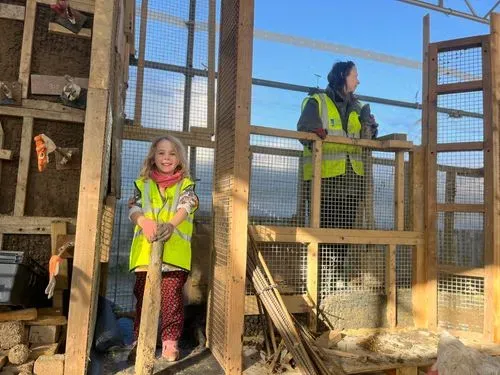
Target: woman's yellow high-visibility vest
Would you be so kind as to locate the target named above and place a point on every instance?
(177, 250)
(335, 155)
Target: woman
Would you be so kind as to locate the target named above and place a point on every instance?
(337, 112)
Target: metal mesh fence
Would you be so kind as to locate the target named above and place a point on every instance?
(460, 302)
(404, 259)
(462, 65)
(462, 121)
(460, 177)
(278, 194)
(287, 263)
(461, 239)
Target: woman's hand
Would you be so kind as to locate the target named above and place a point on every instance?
(149, 227)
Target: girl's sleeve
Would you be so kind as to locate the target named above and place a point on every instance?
(135, 203)
(188, 200)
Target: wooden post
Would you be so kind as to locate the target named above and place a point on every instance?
(93, 188)
(27, 47)
(139, 86)
(312, 248)
(23, 170)
(148, 331)
(419, 272)
(429, 118)
(231, 183)
(491, 100)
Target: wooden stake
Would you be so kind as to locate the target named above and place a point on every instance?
(27, 46)
(24, 164)
(151, 304)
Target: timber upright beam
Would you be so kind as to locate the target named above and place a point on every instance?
(313, 247)
(491, 98)
(93, 185)
(231, 184)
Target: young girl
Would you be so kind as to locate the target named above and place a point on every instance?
(162, 210)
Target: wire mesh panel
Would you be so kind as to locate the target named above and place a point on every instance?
(461, 239)
(463, 119)
(352, 285)
(404, 266)
(278, 193)
(461, 65)
(287, 263)
(461, 302)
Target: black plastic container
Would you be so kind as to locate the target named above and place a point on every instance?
(22, 280)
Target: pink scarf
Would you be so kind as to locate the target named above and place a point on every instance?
(164, 180)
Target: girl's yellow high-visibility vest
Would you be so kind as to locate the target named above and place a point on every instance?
(335, 155)
(177, 250)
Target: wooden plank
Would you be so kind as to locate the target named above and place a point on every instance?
(23, 169)
(211, 65)
(55, 28)
(342, 236)
(393, 136)
(27, 46)
(30, 224)
(459, 44)
(139, 86)
(295, 304)
(390, 286)
(57, 229)
(465, 146)
(460, 207)
(419, 296)
(430, 134)
(393, 145)
(491, 103)
(48, 320)
(313, 247)
(86, 6)
(399, 192)
(107, 226)
(44, 110)
(462, 271)
(148, 134)
(454, 88)
(52, 85)
(5, 155)
(25, 314)
(150, 316)
(12, 12)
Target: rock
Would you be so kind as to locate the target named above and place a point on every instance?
(11, 334)
(19, 354)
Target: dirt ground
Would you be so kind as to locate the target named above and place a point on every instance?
(10, 48)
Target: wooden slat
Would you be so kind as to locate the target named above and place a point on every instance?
(148, 134)
(29, 224)
(25, 314)
(399, 192)
(94, 177)
(27, 46)
(52, 85)
(59, 228)
(462, 271)
(312, 248)
(340, 236)
(139, 87)
(454, 88)
(392, 145)
(44, 110)
(5, 155)
(107, 226)
(465, 146)
(12, 12)
(460, 207)
(23, 169)
(86, 6)
(491, 103)
(295, 304)
(419, 296)
(430, 135)
(47, 320)
(459, 44)
(55, 28)
(390, 285)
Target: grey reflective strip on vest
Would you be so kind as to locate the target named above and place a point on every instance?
(185, 237)
(146, 204)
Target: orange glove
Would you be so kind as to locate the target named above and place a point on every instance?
(54, 262)
(41, 152)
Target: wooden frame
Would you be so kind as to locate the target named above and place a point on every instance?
(24, 161)
(139, 87)
(26, 50)
(12, 12)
